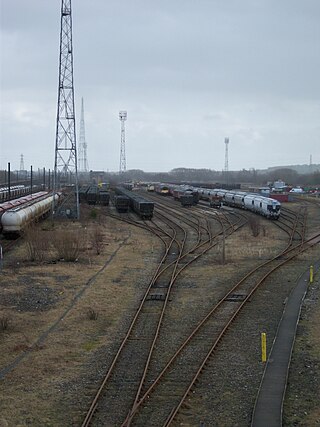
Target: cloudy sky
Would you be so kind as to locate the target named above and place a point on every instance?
(189, 73)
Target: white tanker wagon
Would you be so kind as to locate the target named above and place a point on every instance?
(15, 220)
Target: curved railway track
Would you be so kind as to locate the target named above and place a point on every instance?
(197, 349)
(160, 393)
(147, 322)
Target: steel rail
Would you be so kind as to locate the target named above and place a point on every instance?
(157, 274)
(94, 403)
(155, 339)
(177, 408)
(195, 331)
(93, 406)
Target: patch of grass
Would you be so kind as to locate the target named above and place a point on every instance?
(93, 214)
(90, 345)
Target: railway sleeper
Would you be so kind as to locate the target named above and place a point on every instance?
(158, 286)
(156, 297)
(236, 297)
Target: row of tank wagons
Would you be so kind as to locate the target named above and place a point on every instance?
(17, 191)
(261, 205)
(125, 199)
(94, 195)
(15, 220)
(11, 204)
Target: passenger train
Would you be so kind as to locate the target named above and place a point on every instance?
(261, 205)
(266, 206)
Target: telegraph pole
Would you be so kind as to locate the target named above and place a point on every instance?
(66, 147)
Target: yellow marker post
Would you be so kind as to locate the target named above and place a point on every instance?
(311, 273)
(263, 347)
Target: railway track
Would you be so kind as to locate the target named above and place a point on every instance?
(159, 393)
(138, 346)
(199, 346)
(7, 245)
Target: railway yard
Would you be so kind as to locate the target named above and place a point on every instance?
(156, 322)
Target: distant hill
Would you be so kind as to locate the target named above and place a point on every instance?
(301, 169)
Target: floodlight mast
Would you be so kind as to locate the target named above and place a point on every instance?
(83, 162)
(226, 160)
(123, 166)
(65, 166)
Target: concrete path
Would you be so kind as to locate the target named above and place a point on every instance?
(268, 407)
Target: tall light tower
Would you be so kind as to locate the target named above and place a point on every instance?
(21, 163)
(123, 118)
(226, 160)
(83, 162)
(65, 165)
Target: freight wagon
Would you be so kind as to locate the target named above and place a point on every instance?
(142, 207)
(15, 220)
(104, 197)
(121, 203)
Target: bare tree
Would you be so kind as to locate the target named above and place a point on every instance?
(255, 225)
(97, 239)
(37, 243)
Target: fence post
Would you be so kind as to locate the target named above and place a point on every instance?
(311, 273)
(263, 347)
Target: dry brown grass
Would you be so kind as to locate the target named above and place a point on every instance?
(36, 383)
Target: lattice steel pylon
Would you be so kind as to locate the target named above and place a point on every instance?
(83, 162)
(123, 166)
(65, 166)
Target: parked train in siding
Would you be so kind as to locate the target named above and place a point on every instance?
(11, 204)
(185, 194)
(93, 195)
(17, 191)
(142, 207)
(122, 203)
(162, 189)
(15, 220)
(261, 205)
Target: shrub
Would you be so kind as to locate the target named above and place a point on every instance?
(37, 244)
(93, 214)
(92, 314)
(4, 323)
(68, 244)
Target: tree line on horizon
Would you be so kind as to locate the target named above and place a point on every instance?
(192, 175)
(253, 176)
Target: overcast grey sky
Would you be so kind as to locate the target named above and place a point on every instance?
(189, 73)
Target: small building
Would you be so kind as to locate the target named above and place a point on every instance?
(279, 184)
